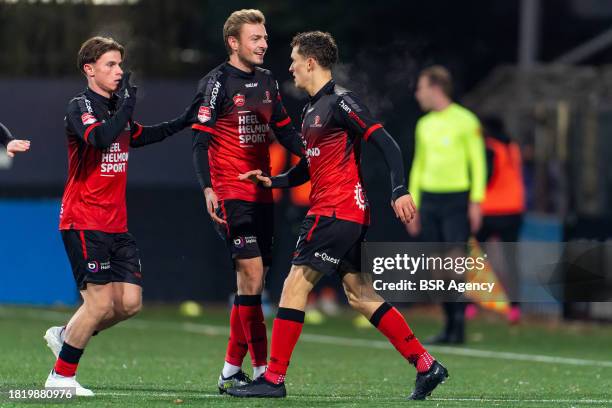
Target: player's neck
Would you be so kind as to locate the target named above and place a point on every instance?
(441, 104)
(95, 88)
(319, 80)
(238, 63)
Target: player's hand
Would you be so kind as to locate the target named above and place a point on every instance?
(127, 91)
(256, 176)
(212, 204)
(475, 217)
(404, 208)
(17, 146)
(414, 228)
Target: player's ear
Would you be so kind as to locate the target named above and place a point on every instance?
(88, 69)
(233, 42)
(310, 63)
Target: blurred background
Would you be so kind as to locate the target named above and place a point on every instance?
(540, 65)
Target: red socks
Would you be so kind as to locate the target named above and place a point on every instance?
(390, 322)
(288, 327)
(254, 328)
(285, 334)
(424, 362)
(68, 360)
(237, 346)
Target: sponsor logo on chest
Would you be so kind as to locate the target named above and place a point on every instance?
(114, 160)
(250, 130)
(239, 100)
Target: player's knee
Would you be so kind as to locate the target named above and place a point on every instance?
(250, 284)
(250, 288)
(356, 297)
(128, 307)
(249, 277)
(100, 309)
(294, 287)
(354, 300)
(131, 307)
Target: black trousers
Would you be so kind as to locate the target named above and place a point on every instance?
(505, 228)
(444, 218)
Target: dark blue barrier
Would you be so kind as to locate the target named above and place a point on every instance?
(34, 268)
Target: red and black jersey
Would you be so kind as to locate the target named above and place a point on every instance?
(5, 135)
(232, 130)
(333, 124)
(99, 137)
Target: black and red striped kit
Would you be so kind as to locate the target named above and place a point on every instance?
(233, 128)
(93, 216)
(333, 124)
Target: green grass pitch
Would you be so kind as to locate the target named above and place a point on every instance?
(161, 359)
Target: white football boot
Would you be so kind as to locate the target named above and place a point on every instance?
(55, 339)
(67, 383)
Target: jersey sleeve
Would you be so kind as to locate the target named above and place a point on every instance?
(283, 128)
(351, 113)
(81, 118)
(211, 94)
(416, 171)
(476, 159)
(5, 135)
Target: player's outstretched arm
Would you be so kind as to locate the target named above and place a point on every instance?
(12, 145)
(257, 177)
(401, 201)
(290, 139)
(283, 128)
(146, 135)
(295, 176)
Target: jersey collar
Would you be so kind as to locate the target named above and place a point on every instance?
(238, 72)
(327, 89)
(109, 103)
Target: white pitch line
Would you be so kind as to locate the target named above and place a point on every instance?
(381, 344)
(548, 401)
(211, 330)
(191, 394)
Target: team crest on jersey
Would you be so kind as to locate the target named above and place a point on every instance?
(239, 100)
(87, 118)
(268, 98)
(317, 122)
(204, 114)
(360, 198)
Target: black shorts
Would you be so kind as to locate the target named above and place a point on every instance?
(330, 245)
(99, 257)
(444, 217)
(249, 230)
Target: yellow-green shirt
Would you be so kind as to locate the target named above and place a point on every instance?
(449, 154)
